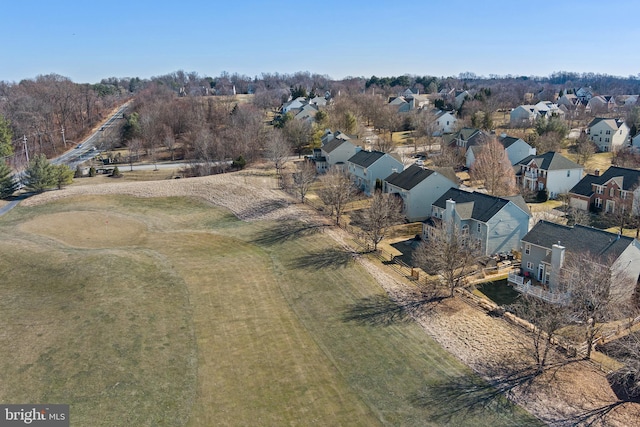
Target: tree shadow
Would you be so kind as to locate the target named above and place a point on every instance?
(469, 396)
(286, 231)
(263, 208)
(330, 258)
(381, 310)
(591, 417)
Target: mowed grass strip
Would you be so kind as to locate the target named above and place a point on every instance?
(273, 347)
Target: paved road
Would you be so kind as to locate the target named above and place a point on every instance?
(75, 156)
(88, 148)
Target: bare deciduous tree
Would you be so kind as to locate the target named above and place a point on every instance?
(303, 178)
(588, 280)
(492, 166)
(385, 210)
(449, 252)
(277, 149)
(337, 190)
(585, 149)
(547, 320)
(385, 145)
(298, 134)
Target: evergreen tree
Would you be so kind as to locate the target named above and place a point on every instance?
(8, 184)
(40, 174)
(6, 148)
(63, 175)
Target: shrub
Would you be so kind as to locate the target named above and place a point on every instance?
(542, 196)
(92, 171)
(116, 173)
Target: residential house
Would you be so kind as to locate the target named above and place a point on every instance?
(329, 136)
(545, 247)
(617, 188)
(369, 167)
(496, 223)
(338, 151)
(608, 134)
(630, 101)
(549, 171)
(584, 94)
(445, 122)
(306, 113)
(601, 104)
(293, 104)
(400, 103)
(460, 96)
(515, 148)
(526, 115)
(419, 188)
(569, 100)
(522, 115)
(635, 142)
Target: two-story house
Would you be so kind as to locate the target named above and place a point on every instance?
(419, 188)
(496, 223)
(338, 151)
(545, 247)
(369, 167)
(515, 148)
(445, 122)
(608, 134)
(617, 188)
(549, 171)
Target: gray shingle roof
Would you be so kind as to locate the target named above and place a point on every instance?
(409, 178)
(550, 161)
(366, 158)
(629, 177)
(508, 141)
(333, 144)
(578, 239)
(478, 206)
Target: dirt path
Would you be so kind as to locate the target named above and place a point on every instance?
(481, 341)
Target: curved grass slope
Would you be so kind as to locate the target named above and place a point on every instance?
(194, 317)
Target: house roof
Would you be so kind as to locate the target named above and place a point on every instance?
(333, 144)
(612, 123)
(414, 175)
(508, 141)
(366, 158)
(550, 161)
(478, 206)
(578, 239)
(626, 178)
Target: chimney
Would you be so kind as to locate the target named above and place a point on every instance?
(597, 172)
(557, 261)
(449, 214)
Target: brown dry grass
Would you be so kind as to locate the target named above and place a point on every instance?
(480, 341)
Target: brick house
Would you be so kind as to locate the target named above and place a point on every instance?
(616, 188)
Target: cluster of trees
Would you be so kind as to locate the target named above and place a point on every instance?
(39, 175)
(51, 111)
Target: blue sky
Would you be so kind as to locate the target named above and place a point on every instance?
(87, 41)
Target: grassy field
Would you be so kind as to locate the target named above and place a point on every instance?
(170, 311)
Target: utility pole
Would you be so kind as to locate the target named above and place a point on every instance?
(26, 149)
(64, 141)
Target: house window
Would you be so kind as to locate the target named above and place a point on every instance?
(599, 189)
(529, 265)
(479, 228)
(623, 194)
(598, 202)
(608, 132)
(568, 173)
(527, 249)
(465, 229)
(612, 192)
(606, 140)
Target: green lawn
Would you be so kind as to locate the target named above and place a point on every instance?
(171, 311)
